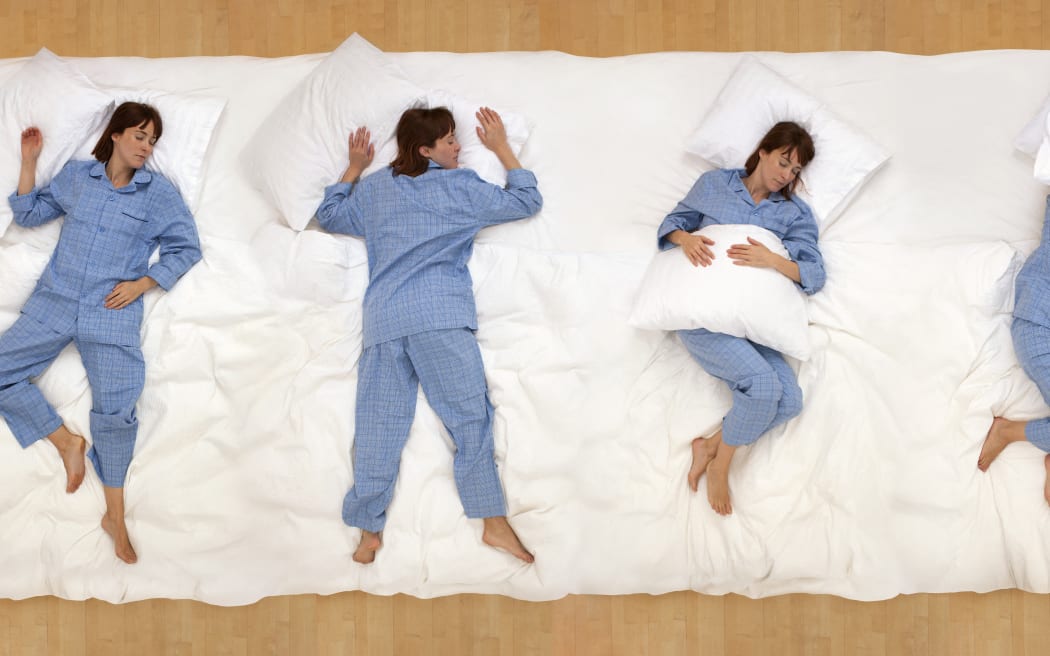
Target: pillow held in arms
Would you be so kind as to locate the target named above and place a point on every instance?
(760, 304)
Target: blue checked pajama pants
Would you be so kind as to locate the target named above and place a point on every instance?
(447, 363)
(116, 375)
(765, 392)
(1032, 345)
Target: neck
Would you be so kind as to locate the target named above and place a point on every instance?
(118, 175)
(758, 191)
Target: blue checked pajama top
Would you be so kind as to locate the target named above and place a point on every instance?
(720, 197)
(419, 234)
(107, 238)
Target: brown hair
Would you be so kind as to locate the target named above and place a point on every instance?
(792, 136)
(126, 115)
(417, 128)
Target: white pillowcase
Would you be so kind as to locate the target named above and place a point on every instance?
(302, 147)
(189, 122)
(473, 154)
(1034, 134)
(1041, 172)
(759, 304)
(53, 95)
(754, 99)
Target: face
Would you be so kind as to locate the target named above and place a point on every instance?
(134, 145)
(777, 169)
(444, 153)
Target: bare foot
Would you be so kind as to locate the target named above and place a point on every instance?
(499, 534)
(367, 548)
(119, 532)
(71, 449)
(704, 450)
(718, 480)
(1002, 433)
(1046, 486)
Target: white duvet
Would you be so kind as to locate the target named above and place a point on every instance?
(247, 416)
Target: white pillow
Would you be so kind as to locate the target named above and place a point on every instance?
(1032, 135)
(303, 146)
(760, 304)
(754, 99)
(179, 156)
(1041, 171)
(473, 154)
(53, 95)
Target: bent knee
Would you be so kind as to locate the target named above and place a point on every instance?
(762, 387)
(791, 402)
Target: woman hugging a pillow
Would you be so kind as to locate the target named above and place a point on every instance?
(765, 392)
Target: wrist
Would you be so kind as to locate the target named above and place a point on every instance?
(352, 174)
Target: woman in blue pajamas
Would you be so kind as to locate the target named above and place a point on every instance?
(1031, 336)
(90, 293)
(418, 217)
(765, 392)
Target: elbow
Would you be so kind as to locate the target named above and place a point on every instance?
(533, 201)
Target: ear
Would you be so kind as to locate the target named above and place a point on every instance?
(425, 151)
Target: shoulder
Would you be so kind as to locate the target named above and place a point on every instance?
(716, 179)
(462, 175)
(79, 167)
(157, 183)
(802, 207)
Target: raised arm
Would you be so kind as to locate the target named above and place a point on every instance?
(493, 135)
(341, 210)
(33, 207)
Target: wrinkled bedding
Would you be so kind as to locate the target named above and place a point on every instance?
(247, 417)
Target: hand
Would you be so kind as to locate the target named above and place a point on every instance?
(32, 144)
(753, 254)
(362, 151)
(696, 248)
(490, 129)
(125, 293)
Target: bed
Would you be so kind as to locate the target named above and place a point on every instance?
(247, 418)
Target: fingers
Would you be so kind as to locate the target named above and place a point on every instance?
(360, 138)
(700, 255)
(121, 296)
(487, 115)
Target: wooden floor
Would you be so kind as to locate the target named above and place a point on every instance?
(1005, 622)
(270, 28)
(1000, 623)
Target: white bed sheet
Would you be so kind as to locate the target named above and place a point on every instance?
(247, 417)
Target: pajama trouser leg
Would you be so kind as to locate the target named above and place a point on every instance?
(116, 375)
(791, 394)
(755, 384)
(26, 350)
(386, 403)
(1032, 345)
(452, 374)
